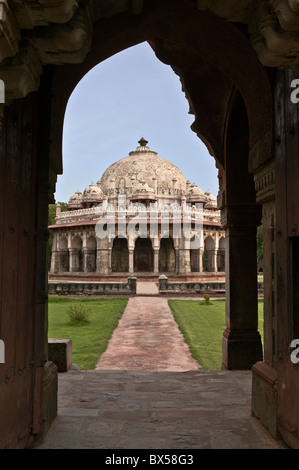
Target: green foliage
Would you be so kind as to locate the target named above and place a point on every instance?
(206, 298)
(78, 314)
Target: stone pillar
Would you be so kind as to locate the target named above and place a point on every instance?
(200, 254)
(156, 261)
(54, 268)
(110, 260)
(85, 260)
(163, 282)
(132, 281)
(102, 261)
(184, 261)
(264, 373)
(88, 260)
(214, 255)
(73, 260)
(131, 261)
(242, 345)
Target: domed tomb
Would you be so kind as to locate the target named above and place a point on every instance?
(143, 167)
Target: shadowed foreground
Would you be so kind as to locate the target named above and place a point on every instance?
(156, 410)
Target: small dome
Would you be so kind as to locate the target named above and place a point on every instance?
(194, 193)
(75, 201)
(211, 201)
(93, 193)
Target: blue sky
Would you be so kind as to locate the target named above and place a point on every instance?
(129, 96)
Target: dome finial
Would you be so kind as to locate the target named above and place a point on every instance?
(143, 142)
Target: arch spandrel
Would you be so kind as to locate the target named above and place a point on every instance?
(227, 37)
(196, 48)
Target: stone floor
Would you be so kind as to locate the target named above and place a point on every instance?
(148, 393)
(104, 409)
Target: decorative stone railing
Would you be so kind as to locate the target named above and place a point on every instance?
(198, 287)
(159, 211)
(93, 288)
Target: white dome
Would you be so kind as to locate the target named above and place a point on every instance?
(143, 164)
(93, 193)
(75, 201)
(211, 200)
(195, 193)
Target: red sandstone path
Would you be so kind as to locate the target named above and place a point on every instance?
(147, 338)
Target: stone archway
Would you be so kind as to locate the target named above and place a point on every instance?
(210, 255)
(76, 254)
(216, 50)
(89, 255)
(143, 255)
(167, 257)
(120, 255)
(63, 255)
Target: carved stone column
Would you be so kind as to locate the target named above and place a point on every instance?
(264, 380)
(156, 261)
(213, 255)
(73, 260)
(131, 261)
(200, 265)
(103, 261)
(54, 268)
(85, 260)
(242, 345)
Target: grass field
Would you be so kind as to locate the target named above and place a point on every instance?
(90, 339)
(202, 326)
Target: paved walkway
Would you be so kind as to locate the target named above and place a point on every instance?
(147, 338)
(148, 393)
(147, 288)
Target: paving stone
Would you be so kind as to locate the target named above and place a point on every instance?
(149, 421)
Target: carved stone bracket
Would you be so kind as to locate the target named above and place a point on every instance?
(265, 184)
(60, 31)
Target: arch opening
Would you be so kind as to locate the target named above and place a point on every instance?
(143, 255)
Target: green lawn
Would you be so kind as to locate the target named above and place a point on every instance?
(89, 340)
(202, 326)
